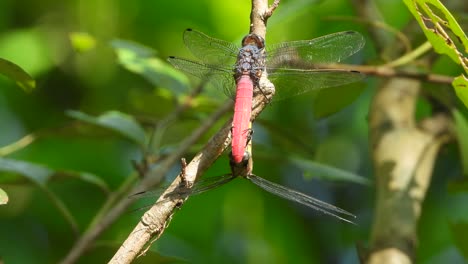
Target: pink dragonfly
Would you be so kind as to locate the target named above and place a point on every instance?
(238, 70)
(291, 66)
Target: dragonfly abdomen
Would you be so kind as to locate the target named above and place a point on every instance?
(241, 119)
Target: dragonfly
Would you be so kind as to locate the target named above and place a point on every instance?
(293, 67)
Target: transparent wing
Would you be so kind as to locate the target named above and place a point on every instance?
(200, 187)
(210, 50)
(207, 184)
(291, 82)
(301, 198)
(327, 49)
(220, 78)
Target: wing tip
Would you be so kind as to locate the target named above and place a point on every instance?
(356, 34)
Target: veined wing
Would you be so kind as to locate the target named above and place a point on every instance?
(199, 187)
(210, 50)
(210, 183)
(327, 49)
(291, 82)
(220, 78)
(301, 198)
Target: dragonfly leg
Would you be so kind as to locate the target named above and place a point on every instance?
(263, 93)
(249, 136)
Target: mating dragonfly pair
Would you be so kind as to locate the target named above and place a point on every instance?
(293, 67)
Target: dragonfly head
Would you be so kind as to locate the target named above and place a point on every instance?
(253, 39)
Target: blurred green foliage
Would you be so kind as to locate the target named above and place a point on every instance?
(117, 63)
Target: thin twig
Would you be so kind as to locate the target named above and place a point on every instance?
(183, 167)
(122, 191)
(411, 56)
(368, 10)
(161, 125)
(383, 71)
(63, 209)
(271, 9)
(17, 145)
(378, 25)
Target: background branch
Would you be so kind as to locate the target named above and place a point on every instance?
(403, 153)
(404, 157)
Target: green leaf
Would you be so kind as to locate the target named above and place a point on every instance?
(330, 101)
(130, 48)
(82, 41)
(116, 121)
(17, 74)
(140, 60)
(327, 172)
(40, 174)
(31, 48)
(36, 173)
(461, 127)
(438, 26)
(460, 84)
(3, 197)
(86, 177)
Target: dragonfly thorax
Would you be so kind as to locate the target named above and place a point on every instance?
(251, 58)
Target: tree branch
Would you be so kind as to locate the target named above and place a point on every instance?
(148, 182)
(156, 219)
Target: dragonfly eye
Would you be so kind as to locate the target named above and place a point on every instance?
(253, 39)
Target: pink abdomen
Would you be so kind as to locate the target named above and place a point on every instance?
(241, 120)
